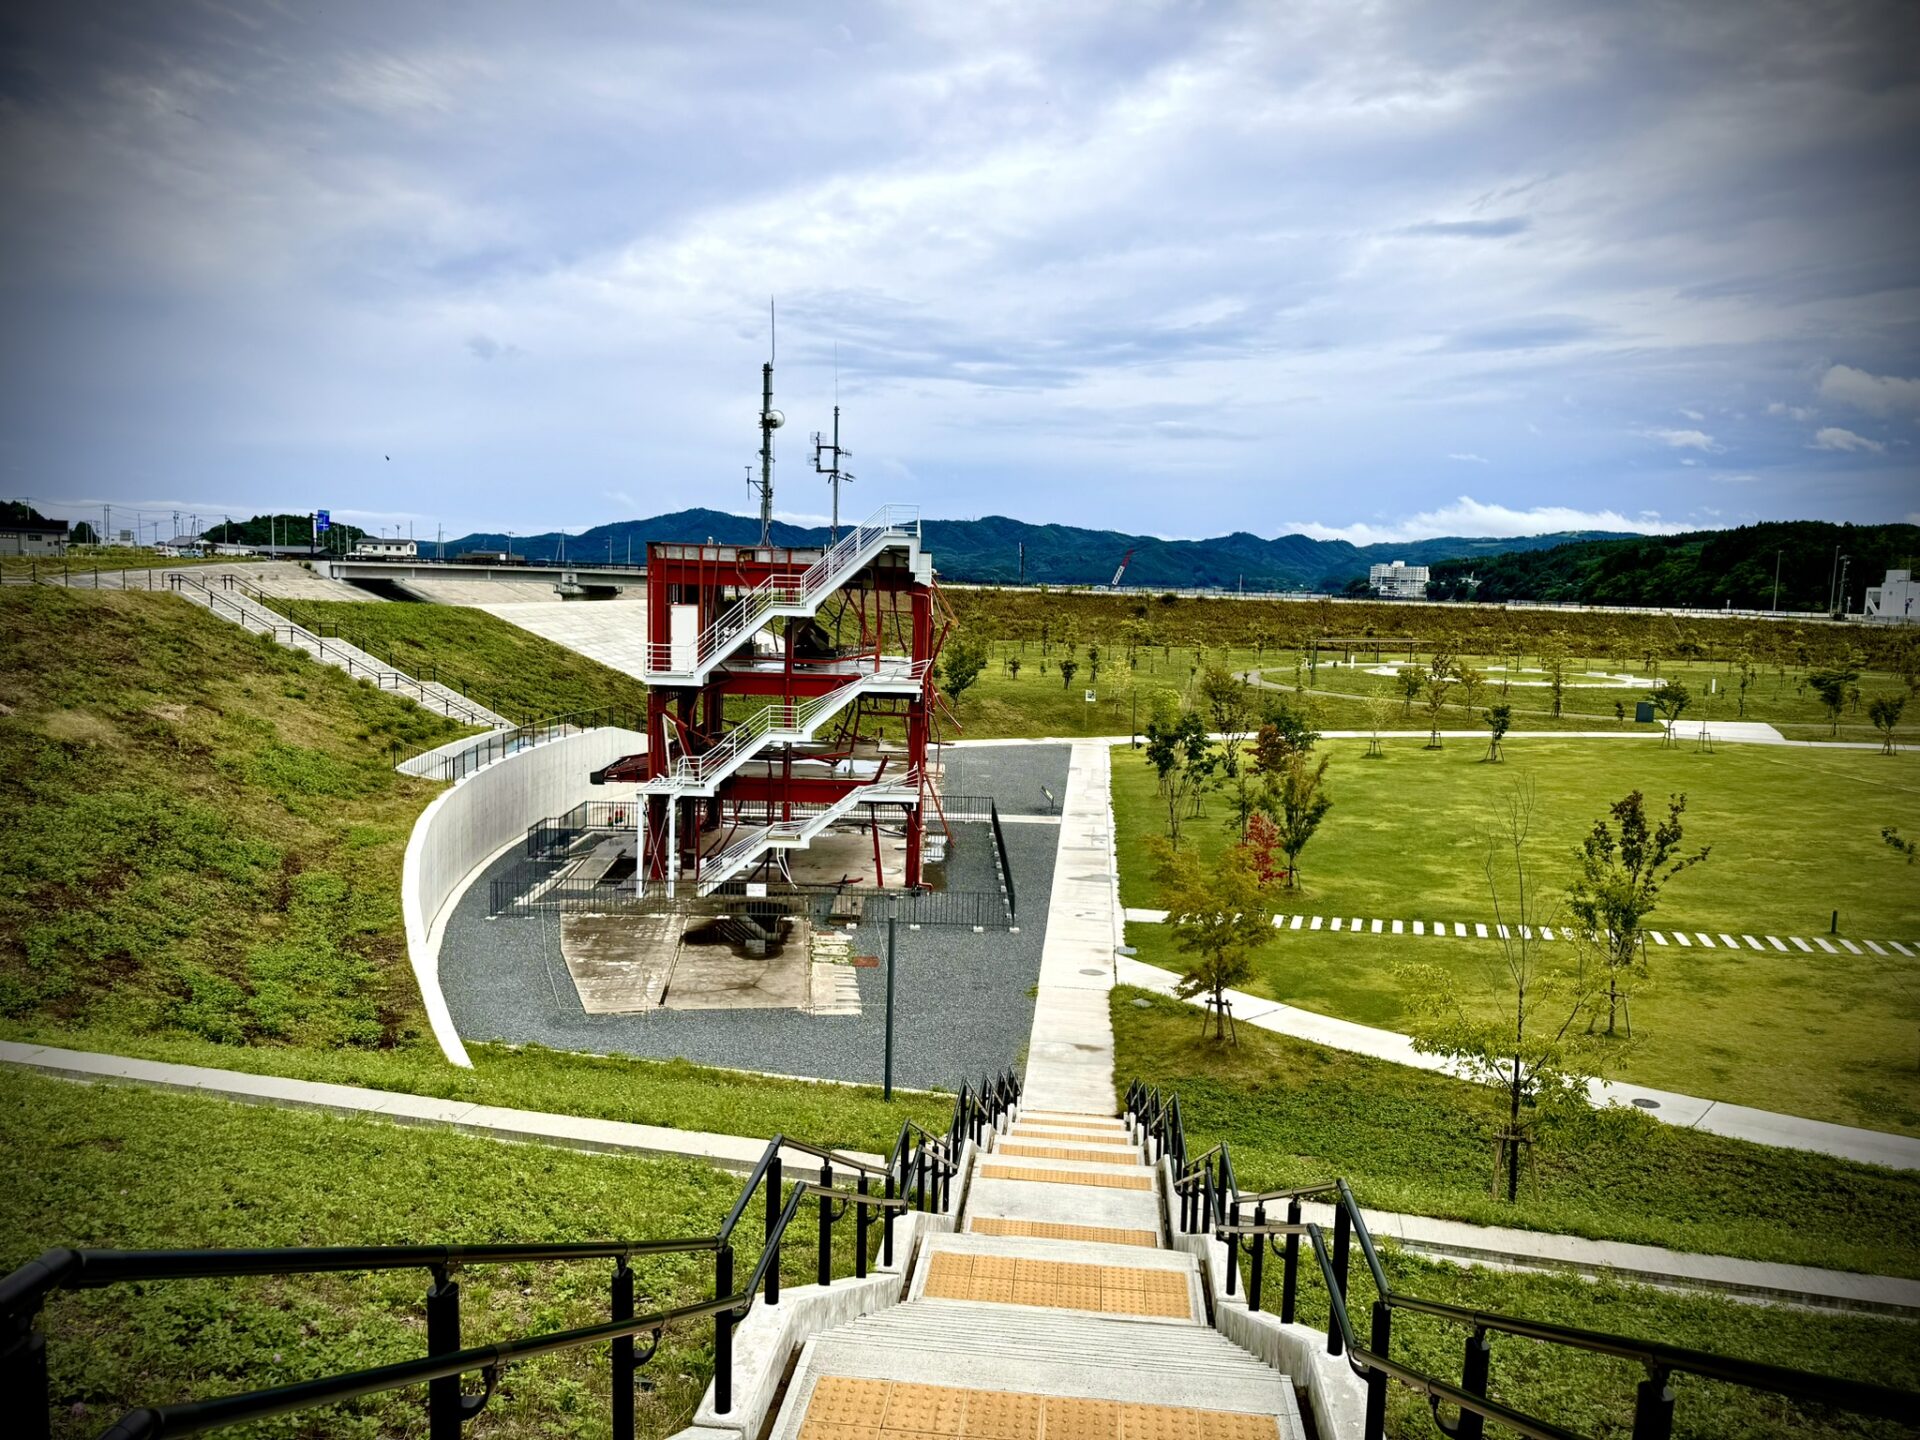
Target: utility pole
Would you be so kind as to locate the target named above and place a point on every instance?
(1023, 562)
(770, 421)
(1776, 579)
(836, 476)
(1846, 563)
(1833, 575)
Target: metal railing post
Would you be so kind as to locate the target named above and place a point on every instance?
(920, 1175)
(1473, 1379)
(621, 1308)
(1653, 1407)
(1380, 1342)
(1342, 1229)
(443, 1338)
(861, 1223)
(824, 1267)
(773, 1229)
(1233, 1248)
(23, 1375)
(1290, 1271)
(722, 1334)
(886, 1226)
(1259, 1248)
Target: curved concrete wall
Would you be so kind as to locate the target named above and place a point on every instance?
(465, 828)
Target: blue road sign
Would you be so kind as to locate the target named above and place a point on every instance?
(322, 521)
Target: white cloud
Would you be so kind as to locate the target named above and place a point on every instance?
(1467, 516)
(1686, 440)
(1693, 414)
(1469, 457)
(1875, 394)
(1792, 412)
(1833, 437)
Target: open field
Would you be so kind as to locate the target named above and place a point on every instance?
(1795, 835)
(1421, 1143)
(511, 671)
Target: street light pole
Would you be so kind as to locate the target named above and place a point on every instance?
(1776, 579)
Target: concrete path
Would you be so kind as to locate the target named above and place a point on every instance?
(1740, 1122)
(1070, 1054)
(573, 1132)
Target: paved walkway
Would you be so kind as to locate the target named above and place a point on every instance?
(1483, 930)
(1070, 1054)
(1739, 1122)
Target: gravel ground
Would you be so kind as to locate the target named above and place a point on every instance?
(963, 1002)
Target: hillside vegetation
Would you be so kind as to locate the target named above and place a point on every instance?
(511, 671)
(204, 830)
(1711, 568)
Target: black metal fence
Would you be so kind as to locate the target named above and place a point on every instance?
(502, 743)
(1211, 1202)
(918, 1175)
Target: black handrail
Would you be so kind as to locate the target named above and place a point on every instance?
(1210, 1203)
(919, 1157)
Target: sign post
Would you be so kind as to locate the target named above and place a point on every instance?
(886, 1092)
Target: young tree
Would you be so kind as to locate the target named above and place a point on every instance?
(1439, 684)
(1411, 680)
(1180, 753)
(1093, 664)
(1220, 915)
(1671, 700)
(1831, 687)
(1013, 667)
(1744, 671)
(1553, 661)
(1885, 712)
(1227, 702)
(1472, 685)
(1263, 843)
(1284, 726)
(1243, 803)
(1529, 1050)
(1068, 669)
(1621, 876)
(1379, 711)
(1499, 720)
(1300, 802)
(960, 665)
(1901, 846)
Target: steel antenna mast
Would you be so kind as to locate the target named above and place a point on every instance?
(837, 475)
(770, 421)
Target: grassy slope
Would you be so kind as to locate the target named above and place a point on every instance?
(490, 659)
(204, 830)
(1795, 835)
(1412, 1141)
(207, 1173)
(78, 567)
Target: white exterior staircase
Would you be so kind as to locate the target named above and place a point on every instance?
(689, 663)
(802, 829)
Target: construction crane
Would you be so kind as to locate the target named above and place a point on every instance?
(1125, 560)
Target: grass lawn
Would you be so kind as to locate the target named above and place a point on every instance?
(674, 1093)
(509, 670)
(1795, 836)
(1416, 1142)
(128, 1168)
(203, 830)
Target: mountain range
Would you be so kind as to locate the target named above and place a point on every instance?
(990, 550)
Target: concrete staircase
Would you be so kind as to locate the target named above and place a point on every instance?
(1056, 1311)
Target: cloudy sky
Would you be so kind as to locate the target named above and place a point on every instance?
(1375, 270)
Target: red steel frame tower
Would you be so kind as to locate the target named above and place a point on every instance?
(757, 743)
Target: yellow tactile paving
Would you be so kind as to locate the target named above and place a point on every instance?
(1066, 1177)
(899, 1410)
(1066, 1152)
(1053, 1230)
(1108, 1289)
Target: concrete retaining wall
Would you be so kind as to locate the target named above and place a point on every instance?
(465, 828)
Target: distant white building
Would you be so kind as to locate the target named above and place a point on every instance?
(372, 547)
(33, 537)
(1895, 599)
(1399, 581)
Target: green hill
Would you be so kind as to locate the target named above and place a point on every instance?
(1713, 569)
(203, 829)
